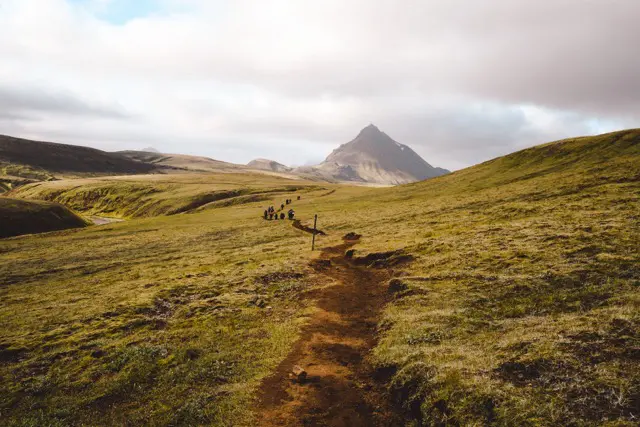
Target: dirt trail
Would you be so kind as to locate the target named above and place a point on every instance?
(297, 224)
(340, 389)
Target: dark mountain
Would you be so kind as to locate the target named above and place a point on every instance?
(24, 157)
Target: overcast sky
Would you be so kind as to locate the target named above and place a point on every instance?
(460, 81)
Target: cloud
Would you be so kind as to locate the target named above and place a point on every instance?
(460, 81)
(18, 102)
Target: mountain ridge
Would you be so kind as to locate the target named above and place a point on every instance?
(376, 158)
(268, 165)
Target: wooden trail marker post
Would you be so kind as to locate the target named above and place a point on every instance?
(315, 230)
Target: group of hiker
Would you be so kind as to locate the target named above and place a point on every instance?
(271, 212)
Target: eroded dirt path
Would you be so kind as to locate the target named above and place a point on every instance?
(340, 389)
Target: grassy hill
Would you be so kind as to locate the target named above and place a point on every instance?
(522, 304)
(29, 217)
(42, 160)
(519, 306)
(154, 195)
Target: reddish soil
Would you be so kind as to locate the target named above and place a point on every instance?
(297, 224)
(340, 389)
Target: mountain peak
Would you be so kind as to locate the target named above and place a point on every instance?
(370, 129)
(377, 158)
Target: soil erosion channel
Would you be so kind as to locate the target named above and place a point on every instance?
(340, 388)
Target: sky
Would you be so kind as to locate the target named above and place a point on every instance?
(460, 81)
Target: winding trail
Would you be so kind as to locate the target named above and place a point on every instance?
(340, 389)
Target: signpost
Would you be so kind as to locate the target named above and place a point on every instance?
(315, 230)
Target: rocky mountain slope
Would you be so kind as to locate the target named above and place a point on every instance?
(374, 157)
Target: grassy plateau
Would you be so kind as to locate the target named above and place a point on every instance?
(520, 306)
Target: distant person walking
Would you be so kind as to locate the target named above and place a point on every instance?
(266, 214)
(291, 214)
(282, 215)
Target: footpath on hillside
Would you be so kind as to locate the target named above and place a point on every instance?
(340, 388)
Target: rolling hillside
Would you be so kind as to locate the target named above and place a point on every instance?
(43, 160)
(154, 195)
(506, 294)
(180, 162)
(268, 165)
(23, 161)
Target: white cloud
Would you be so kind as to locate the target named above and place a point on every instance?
(459, 81)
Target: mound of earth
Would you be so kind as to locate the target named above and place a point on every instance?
(28, 217)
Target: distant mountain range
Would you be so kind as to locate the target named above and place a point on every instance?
(371, 158)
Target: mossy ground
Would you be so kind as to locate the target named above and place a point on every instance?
(520, 308)
(154, 195)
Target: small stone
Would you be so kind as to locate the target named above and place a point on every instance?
(396, 285)
(98, 354)
(192, 353)
(299, 373)
(351, 236)
(321, 264)
(257, 301)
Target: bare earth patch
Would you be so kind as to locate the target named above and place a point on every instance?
(340, 389)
